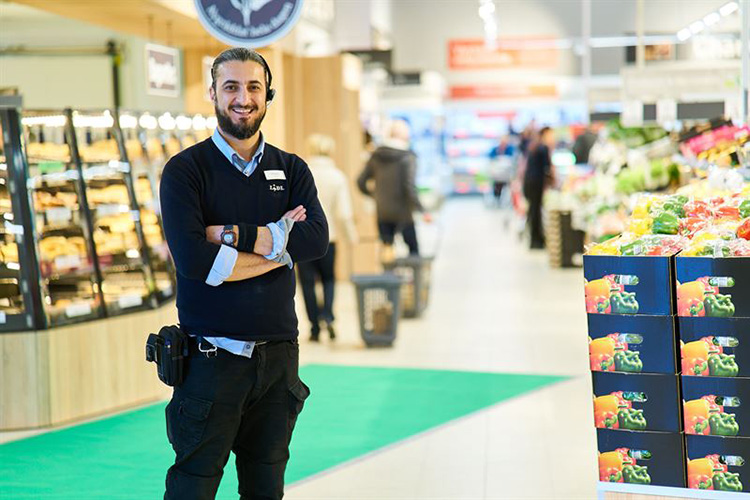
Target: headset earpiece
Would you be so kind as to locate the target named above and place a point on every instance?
(271, 95)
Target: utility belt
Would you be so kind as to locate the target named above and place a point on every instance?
(171, 347)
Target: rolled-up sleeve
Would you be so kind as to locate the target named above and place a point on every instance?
(223, 266)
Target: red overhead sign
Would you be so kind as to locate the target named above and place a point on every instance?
(474, 54)
(502, 91)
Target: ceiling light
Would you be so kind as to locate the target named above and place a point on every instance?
(167, 122)
(697, 27)
(684, 34)
(183, 122)
(712, 18)
(147, 121)
(128, 121)
(199, 123)
(729, 8)
(211, 122)
(47, 121)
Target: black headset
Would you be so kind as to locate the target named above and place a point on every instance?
(270, 93)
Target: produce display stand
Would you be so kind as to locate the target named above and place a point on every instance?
(563, 242)
(623, 491)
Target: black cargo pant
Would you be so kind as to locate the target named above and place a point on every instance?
(233, 403)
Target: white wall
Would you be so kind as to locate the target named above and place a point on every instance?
(83, 82)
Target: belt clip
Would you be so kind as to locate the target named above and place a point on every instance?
(210, 353)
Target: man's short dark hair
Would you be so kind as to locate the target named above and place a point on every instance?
(240, 54)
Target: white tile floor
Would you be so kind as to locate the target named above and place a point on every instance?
(494, 307)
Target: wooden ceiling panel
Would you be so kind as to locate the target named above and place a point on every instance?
(133, 17)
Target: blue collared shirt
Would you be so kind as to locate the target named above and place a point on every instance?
(227, 256)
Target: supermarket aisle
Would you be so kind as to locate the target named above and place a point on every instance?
(495, 307)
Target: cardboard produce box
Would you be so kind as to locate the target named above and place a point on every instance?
(716, 406)
(629, 285)
(715, 347)
(655, 458)
(639, 402)
(718, 463)
(632, 343)
(713, 287)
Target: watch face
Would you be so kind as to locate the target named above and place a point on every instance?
(228, 238)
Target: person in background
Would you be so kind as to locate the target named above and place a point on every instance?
(393, 167)
(500, 163)
(583, 144)
(333, 192)
(538, 175)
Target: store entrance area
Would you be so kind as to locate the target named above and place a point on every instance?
(479, 398)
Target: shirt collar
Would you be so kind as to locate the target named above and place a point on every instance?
(229, 152)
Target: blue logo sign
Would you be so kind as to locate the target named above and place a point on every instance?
(248, 23)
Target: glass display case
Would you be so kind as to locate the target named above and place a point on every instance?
(81, 236)
(146, 155)
(68, 276)
(114, 213)
(13, 313)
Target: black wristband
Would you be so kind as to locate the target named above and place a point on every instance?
(246, 237)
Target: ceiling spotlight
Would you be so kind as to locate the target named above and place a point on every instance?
(729, 8)
(684, 34)
(697, 27)
(712, 18)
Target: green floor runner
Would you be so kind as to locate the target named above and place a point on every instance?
(352, 411)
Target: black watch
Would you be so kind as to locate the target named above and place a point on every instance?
(227, 235)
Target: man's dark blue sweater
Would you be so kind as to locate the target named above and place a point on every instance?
(200, 188)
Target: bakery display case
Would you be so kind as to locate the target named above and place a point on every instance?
(57, 220)
(81, 237)
(145, 152)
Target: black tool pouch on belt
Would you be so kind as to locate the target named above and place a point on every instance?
(168, 349)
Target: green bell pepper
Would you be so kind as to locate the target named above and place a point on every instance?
(628, 361)
(722, 365)
(745, 209)
(633, 248)
(624, 303)
(674, 207)
(630, 418)
(727, 481)
(714, 251)
(719, 306)
(723, 424)
(679, 198)
(636, 474)
(666, 223)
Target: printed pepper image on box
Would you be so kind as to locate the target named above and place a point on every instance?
(613, 411)
(607, 295)
(706, 357)
(620, 467)
(702, 298)
(705, 416)
(710, 473)
(610, 353)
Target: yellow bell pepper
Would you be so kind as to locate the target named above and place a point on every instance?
(604, 249)
(599, 288)
(700, 467)
(695, 350)
(641, 226)
(606, 404)
(691, 290)
(611, 459)
(603, 345)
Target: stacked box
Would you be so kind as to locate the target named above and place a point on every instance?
(713, 296)
(635, 371)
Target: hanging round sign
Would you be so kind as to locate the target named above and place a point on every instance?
(248, 23)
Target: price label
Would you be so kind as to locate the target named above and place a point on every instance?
(75, 310)
(110, 209)
(131, 300)
(67, 261)
(3, 318)
(59, 215)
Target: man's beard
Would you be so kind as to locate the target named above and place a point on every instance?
(238, 131)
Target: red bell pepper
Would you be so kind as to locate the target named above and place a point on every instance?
(690, 307)
(619, 345)
(602, 363)
(712, 406)
(698, 209)
(743, 231)
(701, 482)
(709, 287)
(606, 420)
(598, 304)
(729, 212)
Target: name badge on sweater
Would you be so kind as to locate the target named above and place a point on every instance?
(274, 175)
